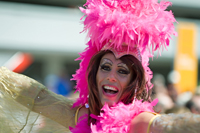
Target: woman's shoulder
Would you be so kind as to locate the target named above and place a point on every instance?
(81, 111)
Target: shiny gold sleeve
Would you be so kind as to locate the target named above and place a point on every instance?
(176, 123)
(27, 105)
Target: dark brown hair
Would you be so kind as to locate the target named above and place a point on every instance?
(137, 81)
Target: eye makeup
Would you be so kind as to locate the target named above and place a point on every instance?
(106, 61)
(123, 65)
(106, 65)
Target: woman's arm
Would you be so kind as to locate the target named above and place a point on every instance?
(55, 107)
(166, 123)
(140, 123)
(176, 123)
(36, 97)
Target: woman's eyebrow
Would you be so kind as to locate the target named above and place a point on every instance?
(105, 60)
(123, 65)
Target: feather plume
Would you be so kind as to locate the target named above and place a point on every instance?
(142, 23)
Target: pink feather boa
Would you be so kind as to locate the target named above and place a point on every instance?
(116, 119)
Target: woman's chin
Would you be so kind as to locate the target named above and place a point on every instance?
(109, 103)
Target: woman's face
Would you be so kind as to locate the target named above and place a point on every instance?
(112, 77)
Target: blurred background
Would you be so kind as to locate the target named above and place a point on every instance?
(41, 39)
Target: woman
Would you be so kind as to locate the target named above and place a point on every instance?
(113, 78)
(25, 91)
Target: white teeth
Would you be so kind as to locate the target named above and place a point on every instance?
(110, 88)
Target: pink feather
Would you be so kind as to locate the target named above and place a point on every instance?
(116, 119)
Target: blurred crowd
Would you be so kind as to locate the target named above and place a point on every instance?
(61, 84)
(172, 102)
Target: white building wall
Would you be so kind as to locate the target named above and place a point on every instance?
(52, 34)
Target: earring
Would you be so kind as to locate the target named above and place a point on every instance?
(87, 105)
(134, 96)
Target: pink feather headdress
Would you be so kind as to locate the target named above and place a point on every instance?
(137, 23)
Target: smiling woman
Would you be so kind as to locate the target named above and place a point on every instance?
(113, 76)
(114, 79)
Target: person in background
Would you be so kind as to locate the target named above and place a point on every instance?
(63, 84)
(172, 92)
(194, 104)
(160, 91)
(59, 83)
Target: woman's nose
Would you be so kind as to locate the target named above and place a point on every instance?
(111, 77)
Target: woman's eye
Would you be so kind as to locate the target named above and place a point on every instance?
(121, 71)
(105, 68)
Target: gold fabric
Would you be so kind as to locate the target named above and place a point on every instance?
(26, 106)
(176, 123)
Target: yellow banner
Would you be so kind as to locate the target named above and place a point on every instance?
(186, 62)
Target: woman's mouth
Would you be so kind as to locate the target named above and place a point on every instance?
(109, 90)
